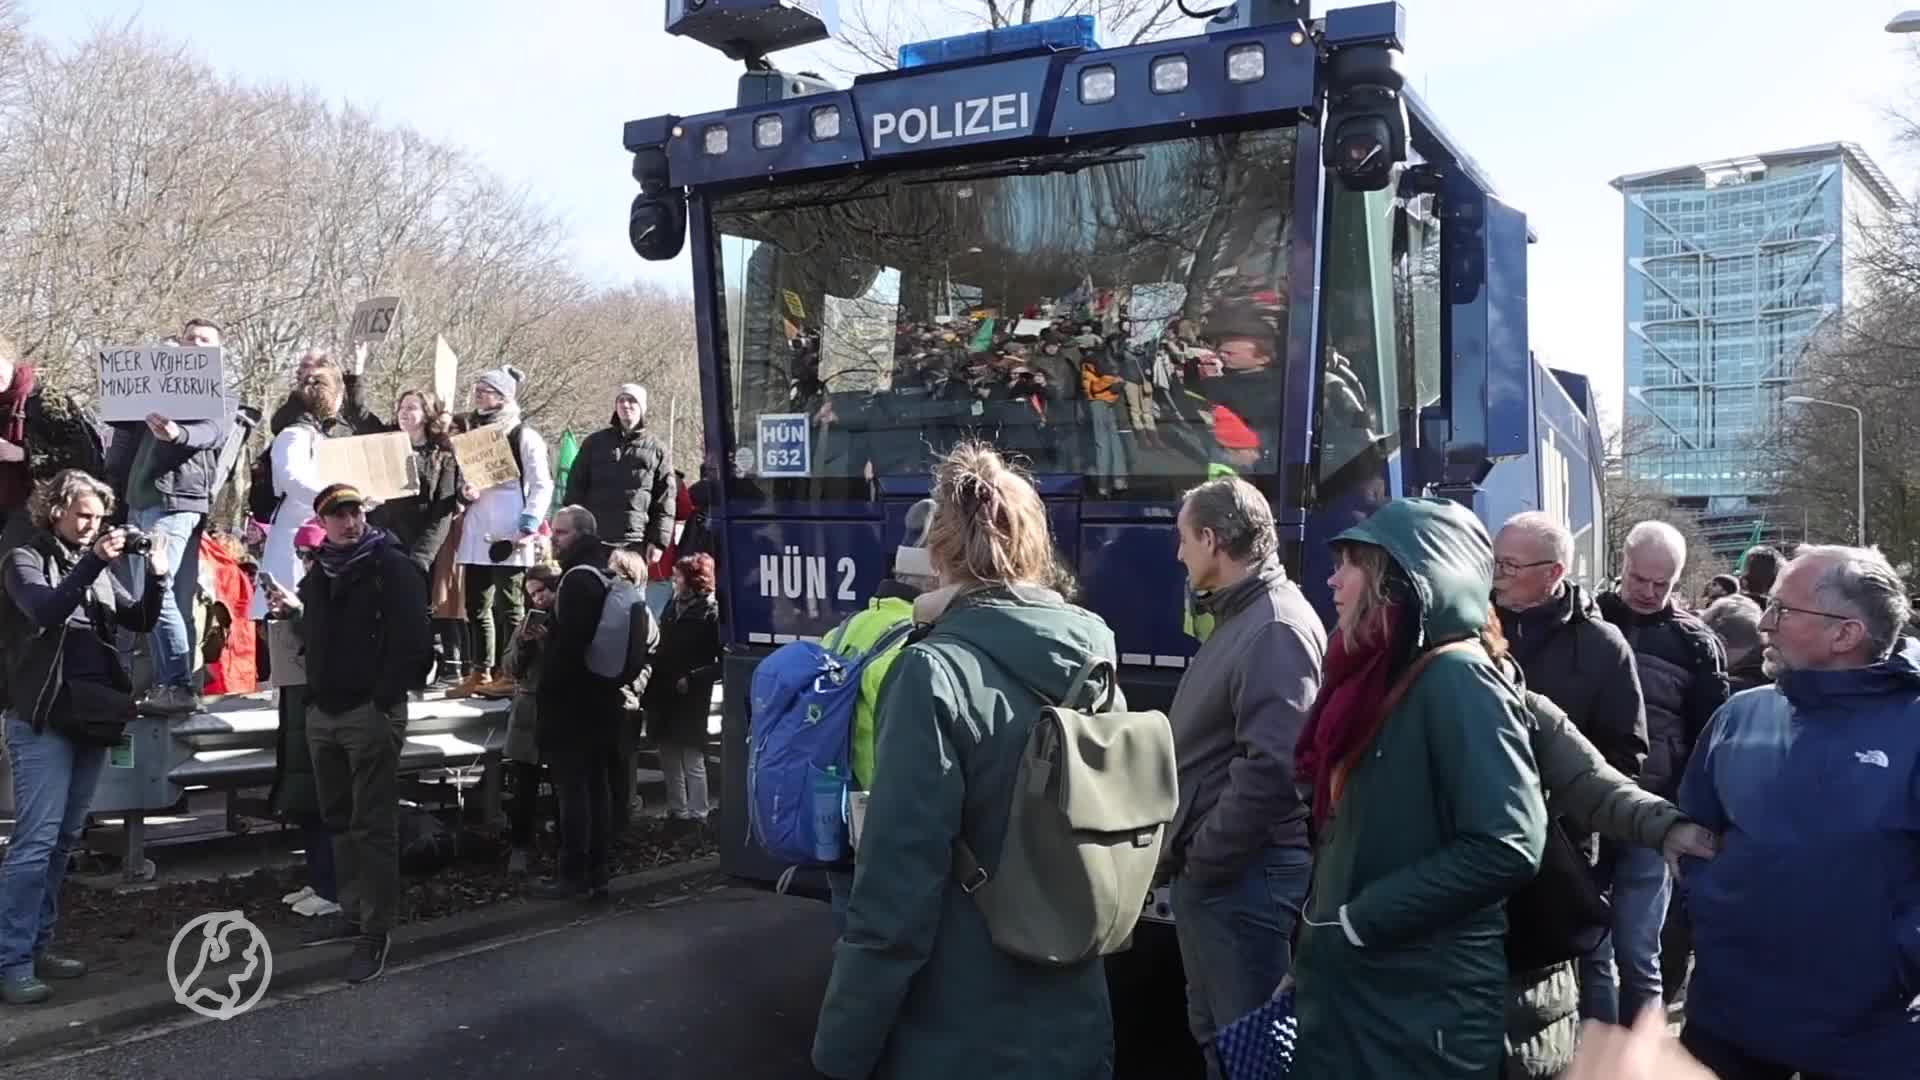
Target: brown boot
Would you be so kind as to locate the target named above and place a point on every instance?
(471, 685)
(501, 687)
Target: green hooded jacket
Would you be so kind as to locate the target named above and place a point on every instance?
(1402, 966)
(919, 991)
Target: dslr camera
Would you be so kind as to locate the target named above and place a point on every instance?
(137, 541)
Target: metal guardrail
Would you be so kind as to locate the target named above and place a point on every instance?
(231, 746)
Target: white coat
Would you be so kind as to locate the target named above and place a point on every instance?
(297, 479)
(495, 515)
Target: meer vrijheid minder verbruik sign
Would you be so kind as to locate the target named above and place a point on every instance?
(179, 382)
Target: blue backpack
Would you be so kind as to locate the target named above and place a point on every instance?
(799, 741)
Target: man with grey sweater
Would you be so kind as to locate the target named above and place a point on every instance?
(1238, 847)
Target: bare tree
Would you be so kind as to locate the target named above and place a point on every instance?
(139, 188)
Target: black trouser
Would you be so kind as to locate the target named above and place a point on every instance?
(1729, 1062)
(524, 809)
(451, 637)
(495, 606)
(626, 762)
(356, 762)
(583, 779)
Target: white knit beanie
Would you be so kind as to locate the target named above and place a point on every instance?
(911, 557)
(635, 391)
(502, 381)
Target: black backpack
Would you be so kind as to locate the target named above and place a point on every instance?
(262, 501)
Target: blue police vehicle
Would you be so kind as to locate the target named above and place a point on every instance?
(1250, 250)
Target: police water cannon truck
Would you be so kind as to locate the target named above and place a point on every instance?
(1249, 251)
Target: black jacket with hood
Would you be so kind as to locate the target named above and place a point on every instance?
(1577, 660)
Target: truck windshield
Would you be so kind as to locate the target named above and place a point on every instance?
(1118, 314)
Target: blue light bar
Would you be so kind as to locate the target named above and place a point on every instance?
(1070, 32)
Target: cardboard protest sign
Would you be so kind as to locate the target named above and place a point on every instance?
(373, 319)
(485, 457)
(1030, 327)
(446, 370)
(381, 466)
(180, 382)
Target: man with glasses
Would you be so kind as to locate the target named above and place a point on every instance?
(1683, 679)
(1570, 655)
(1807, 922)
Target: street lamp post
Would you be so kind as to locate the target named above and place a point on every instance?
(1860, 454)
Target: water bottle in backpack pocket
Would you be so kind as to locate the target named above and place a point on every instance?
(799, 748)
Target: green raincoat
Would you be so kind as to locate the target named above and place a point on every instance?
(919, 991)
(1402, 966)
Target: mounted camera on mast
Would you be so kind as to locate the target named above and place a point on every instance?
(743, 30)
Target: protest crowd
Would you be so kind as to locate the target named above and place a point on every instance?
(381, 556)
(1485, 807)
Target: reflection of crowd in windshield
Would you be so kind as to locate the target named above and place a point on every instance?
(1076, 384)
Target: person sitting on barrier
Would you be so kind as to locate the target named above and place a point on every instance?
(362, 615)
(70, 696)
(526, 663)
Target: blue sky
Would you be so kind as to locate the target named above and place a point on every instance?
(1553, 99)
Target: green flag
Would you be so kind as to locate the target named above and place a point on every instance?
(983, 340)
(569, 449)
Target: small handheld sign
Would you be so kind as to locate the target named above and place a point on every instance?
(373, 319)
(786, 444)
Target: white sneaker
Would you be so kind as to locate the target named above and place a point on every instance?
(316, 906)
(296, 897)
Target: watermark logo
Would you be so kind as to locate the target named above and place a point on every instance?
(223, 936)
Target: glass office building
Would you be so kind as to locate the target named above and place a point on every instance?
(1730, 267)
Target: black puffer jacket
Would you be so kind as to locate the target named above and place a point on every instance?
(624, 477)
(1580, 662)
(1683, 677)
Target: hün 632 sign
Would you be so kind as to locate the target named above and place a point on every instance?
(963, 119)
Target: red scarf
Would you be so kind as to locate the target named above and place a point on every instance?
(16, 480)
(1347, 714)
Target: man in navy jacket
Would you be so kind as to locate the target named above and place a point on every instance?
(1807, 922)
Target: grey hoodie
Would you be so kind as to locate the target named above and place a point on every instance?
(1238, 711)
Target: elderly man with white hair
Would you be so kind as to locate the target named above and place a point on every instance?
(1683, 679)
(1569, 654)
(1807, 922)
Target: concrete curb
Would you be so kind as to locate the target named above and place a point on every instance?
(35, 1031)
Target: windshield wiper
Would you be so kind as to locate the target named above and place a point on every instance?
(994, 170)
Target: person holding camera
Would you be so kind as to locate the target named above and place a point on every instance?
(362, 615)
(69, 699)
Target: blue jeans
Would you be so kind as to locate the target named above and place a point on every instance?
(173, 637)
(53, 781)
(1641, 889)
(1236, 940)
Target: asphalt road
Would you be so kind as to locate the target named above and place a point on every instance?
(722, 985)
